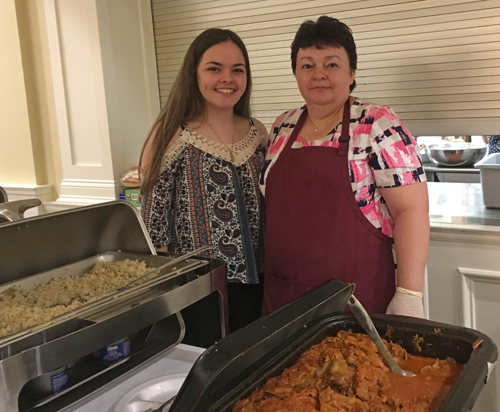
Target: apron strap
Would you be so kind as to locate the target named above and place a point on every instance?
(345, 136)
(295, 132)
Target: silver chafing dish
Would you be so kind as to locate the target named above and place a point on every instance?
(35, 250)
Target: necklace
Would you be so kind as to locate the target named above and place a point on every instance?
(231, 145)
(323, 123)
(318, 127)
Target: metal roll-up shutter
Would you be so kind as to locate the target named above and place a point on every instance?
(436, 62)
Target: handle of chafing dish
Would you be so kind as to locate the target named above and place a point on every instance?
(168, 264)
(13, 211)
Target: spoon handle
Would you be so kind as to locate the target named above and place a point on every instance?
(366, 323)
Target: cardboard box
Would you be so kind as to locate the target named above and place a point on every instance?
(133, 196)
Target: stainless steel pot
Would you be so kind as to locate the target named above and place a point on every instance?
(455, 154)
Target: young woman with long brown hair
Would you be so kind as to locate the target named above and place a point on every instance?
(200, 167)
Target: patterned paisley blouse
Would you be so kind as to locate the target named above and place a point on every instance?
(202, 198)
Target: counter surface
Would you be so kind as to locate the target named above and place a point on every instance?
(460, 204)
(431, 167)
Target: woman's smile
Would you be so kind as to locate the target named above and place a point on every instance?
(225, 91)
(221, 75)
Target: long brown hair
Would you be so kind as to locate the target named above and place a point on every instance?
(185, 102)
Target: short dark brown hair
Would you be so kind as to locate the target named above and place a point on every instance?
(325, 32)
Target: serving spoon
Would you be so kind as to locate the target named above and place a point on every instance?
(366, 323)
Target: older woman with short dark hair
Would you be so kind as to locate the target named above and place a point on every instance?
(344, 186)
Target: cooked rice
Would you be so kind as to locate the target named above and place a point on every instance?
(19, 311)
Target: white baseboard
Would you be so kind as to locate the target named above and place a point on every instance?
(89, 191)
(20, 192)
(74, 193)
(61, 205)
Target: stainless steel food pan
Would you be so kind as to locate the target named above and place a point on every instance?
(149, 313)
(28, 284)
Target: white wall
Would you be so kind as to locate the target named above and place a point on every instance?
(89, 76)
(15, 133)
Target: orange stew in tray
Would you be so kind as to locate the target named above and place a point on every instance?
(346, 373)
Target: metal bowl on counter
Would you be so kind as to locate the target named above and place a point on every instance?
(423, 155)
(455, 154)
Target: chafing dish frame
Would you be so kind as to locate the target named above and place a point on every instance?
(150, 310)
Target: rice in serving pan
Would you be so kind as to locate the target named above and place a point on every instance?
(19, 310)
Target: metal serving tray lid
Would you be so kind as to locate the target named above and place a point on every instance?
(48, 241)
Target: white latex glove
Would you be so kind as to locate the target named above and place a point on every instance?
(407, 303)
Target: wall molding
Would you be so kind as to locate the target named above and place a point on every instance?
(488, 235)
(469, 277)
(89, 191)
(20, 191)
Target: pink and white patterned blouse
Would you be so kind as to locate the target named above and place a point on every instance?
(382, 154)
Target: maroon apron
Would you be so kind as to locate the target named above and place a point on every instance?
(315, 230)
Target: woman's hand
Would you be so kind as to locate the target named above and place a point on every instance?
(406, 303)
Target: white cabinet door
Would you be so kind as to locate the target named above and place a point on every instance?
(463, 288)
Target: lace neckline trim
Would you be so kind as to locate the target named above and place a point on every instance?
(242, 150)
